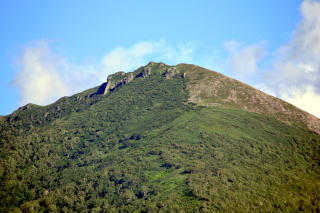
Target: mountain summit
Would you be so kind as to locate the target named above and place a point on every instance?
(161, 139)
(209, 88)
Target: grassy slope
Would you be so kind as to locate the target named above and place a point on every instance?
(142, 148)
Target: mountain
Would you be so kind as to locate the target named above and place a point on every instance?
(161, 139)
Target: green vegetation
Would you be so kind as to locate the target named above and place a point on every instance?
(144, 148)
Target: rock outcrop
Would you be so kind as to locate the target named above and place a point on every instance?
(146, 72)
(121, 78)
(114, 81)
(171, 72)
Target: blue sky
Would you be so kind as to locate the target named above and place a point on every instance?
(50, 49)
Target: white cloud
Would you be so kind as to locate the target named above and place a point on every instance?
(306, 99)
(243, 60)
(38, 80)
(127, 58)
(295, 74)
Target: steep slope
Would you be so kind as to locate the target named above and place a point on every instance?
(209, 88)
(146, 141)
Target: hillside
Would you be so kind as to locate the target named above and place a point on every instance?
(161, 139)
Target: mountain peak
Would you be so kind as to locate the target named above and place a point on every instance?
(210, 88)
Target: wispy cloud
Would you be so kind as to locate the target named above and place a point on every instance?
(295, 73)
(38, 79)
(243, 60)
(297, 63)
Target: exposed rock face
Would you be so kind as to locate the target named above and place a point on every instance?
(170, 72)
(113, 85)
(146, 72)
(120, 78)
(102, 88)
(113, 82)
